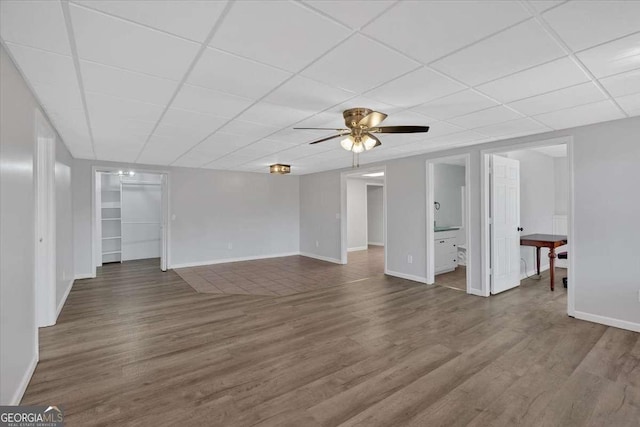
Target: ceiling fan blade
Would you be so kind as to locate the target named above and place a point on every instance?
(337, 130)
(328, 138)
(400, 129)
(378, 143)
(372, 119)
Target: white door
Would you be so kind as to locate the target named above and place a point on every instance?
(505, 220)
(45, 257)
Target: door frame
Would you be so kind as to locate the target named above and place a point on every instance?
(343, 209)
(165, 251)
(45, 275)
(430, 217)
(485, 203)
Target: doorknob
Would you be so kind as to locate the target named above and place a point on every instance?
(520, 229)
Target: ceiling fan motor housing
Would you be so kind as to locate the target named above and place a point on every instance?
(353, 116)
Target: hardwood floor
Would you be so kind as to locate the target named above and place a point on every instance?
(456, 279)
(136, 346)
(282, 276)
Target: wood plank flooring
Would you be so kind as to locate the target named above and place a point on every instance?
(282, 276)
(139, 347)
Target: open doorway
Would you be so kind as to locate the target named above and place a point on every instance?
(130, 216)
(448, 226)
(527, 206)
(363, 219)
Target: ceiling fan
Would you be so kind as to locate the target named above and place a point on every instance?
(362, 124)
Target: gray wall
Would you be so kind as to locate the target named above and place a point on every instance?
(447, 181)
(18, 331)
(258, 214)
(320, 215)
(607, 170)
(375, 215)
(561, 190)
(356, 214)
(64, 223)
(537, 202)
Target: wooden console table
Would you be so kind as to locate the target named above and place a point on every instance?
(551, 241)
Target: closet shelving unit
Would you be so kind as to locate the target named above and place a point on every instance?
(111, 218)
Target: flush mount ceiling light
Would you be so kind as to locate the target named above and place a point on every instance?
(361, 124)
(280, 169)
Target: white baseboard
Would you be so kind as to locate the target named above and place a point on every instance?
(609, 321)
(81, 276)
(358, 248)
(22, 387)
(376, 244)
(406, 276)
(533, 272)
(64, 298)
(321, 258)
(226, 260)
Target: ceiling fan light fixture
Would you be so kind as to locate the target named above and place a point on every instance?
(347, 143)
(358, 146)
(368, 142)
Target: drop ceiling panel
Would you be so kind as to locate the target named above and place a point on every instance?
(250, 129)
(581, 115)
(203, 124)
(510, 51)
(582, 24)
(614, 57)
(235, 75)
(100, 106)
(486, 117)
(458, 104)
(307, 94)
(185, 18)
(206, 101)
(382, 64)
(415, 88)
(280, 33)
(429, 30)
(542, 5)
(37, 24)
(121, 83)
(163, 150)
(512, 128)
(630, 104)
(353, 13)
(544, 78)
(44, 68)
(275, 65)
(274, 115)
(111, 41)
(222, 143)
(585, 93)
(623, 84)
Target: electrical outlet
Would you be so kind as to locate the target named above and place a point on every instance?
(317, 244)
(410, 259)
(230, 246)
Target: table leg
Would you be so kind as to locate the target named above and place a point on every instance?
(552, 265)
(538, 260)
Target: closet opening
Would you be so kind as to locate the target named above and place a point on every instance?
(130, 212)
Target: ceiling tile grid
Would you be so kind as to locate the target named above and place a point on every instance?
(221, 84)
